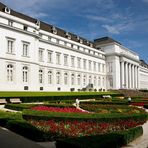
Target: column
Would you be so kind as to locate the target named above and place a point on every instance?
(122, 75)
(130, 76)
(126, 73)
(135, 77)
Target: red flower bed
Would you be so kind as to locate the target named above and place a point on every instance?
(58, 109)
(82, 128)
(138, 103)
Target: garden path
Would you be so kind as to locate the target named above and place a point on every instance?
(142, 141)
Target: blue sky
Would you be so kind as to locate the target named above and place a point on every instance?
(124, 20)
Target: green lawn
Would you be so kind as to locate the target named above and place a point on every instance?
(33, 94)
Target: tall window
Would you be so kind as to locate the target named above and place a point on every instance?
(40, 76)
(40, 55)
(79, 62)
(72, 61)
(95, 81)
(99, 81)
(10, 73)
(72, 79)
(84, 63)
(99, 69)
(25, 49)
(90, 80)
(103, 67)
(65, 78)
(49, 77)
(109, 67)
(94, 66)
(58, 77)
(84, 80)
(103, 81)
(58, 55)
(89, 65)
(25, 74)
(49, 54)
(65, 60)
(79, 79)
(10, 46)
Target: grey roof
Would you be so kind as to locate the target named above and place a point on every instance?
(105, 40)
(46, 27)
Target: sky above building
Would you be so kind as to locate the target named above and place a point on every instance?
(123, 20)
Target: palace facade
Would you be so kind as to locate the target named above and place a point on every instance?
(36, 56)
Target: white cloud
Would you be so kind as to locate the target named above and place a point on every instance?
(111, 29)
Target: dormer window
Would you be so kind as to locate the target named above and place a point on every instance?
(81, 41)
(25, 28)
(68, 35)
(91, 45)
(10, 23)
(78, 38)
(7, 10)
(54, 30)
(37, 23)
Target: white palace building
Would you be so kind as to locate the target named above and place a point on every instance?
(36, 56)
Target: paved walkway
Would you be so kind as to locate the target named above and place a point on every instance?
(142, 141)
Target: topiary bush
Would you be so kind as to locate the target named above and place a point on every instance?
(25, 129)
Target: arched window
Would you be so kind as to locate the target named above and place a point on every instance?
(65, 78)
(99, 81)
(25, 74)
(58, 77)
(49, 77)
(40, 76)
(72, 79)
(90, 80)
(84, 80)
(79, 79)
(10, 73)
(95, 81)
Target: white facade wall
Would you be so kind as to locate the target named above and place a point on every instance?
(39, 40)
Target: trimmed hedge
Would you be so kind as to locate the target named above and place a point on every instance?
(44, 115)
(27, 130)
(112, 140)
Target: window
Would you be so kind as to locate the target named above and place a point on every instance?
(65, 60)
(58, 77)
(72, 61)
(49, 54)
(50, 77)
(58, 58)
(84, 80)
(95, 81)
(84, 63)
(99, 67)
(10, 46)
(25, 28)
(40, 76)
(109, 67)
(89, 65)
(25, 74)
(99, 81)
(10, 23)
(10, 73)
(72, 79)
(41, 55)
(103, 67)
(94, 66)
(65, 78)
(103, 81)
(25, 49)
(79, 80)
(90, 80)
(79, 62)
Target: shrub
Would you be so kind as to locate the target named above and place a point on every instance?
(146, 106)
(25, 129)
(112, 140)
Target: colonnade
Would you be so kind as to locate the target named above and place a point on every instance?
(129, 75)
